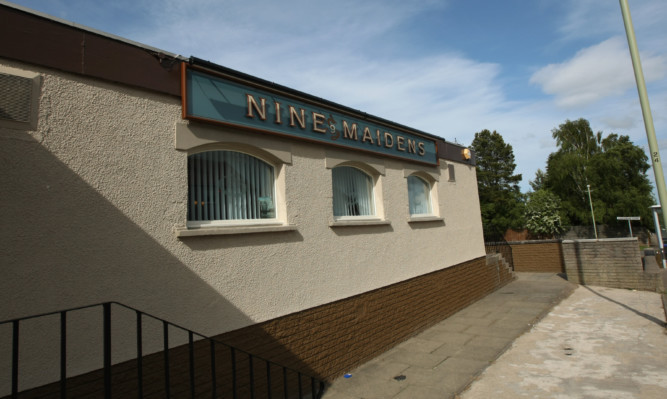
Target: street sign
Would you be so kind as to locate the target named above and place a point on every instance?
(628, 218)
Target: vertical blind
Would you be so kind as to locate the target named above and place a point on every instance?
(352, 192)
(419, 196)
(228, 185)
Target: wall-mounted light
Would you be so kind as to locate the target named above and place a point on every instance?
(465, 153)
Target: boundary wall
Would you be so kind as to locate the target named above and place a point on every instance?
(613, 262)
(543, 256)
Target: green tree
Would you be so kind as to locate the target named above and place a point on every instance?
(538, 183)
(613, 166)
(619, 176)
(543, 214)
(499, 195)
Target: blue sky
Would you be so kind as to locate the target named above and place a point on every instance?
(447, 67)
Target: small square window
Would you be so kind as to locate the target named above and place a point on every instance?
(452, 175)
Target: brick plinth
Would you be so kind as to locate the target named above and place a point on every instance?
(336, 337)
(323, 342)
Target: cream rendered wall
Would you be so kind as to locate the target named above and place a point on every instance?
(318, 263)
(120, 142)
(90, 201)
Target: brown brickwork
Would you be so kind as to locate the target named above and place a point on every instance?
(336, 337)
(323, 342)
(538, 256)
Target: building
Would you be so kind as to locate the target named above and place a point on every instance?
(297, 229)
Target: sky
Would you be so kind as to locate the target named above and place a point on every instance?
(447, 67)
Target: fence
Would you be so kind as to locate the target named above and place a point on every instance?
(213, 368)
(495, 243)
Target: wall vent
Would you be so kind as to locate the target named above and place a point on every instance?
(19, 95)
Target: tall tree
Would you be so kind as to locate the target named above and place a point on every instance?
(538, 183)
(613, 166)
(498, 186)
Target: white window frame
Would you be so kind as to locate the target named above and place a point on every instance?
(429, 196)
(431, 178)
(372, 167)
(192, 138)
(236, 222)
(373, 214)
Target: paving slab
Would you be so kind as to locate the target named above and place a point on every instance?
(598, 343)
(443, 360)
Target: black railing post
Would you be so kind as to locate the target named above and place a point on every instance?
(268, 379)
(298, 375)
(192, 363)
(233, 352)
(214, 386)
(321, 384)
(313, 391)
(107, 350)
(165, 334)
(140, 356)
(251, 375)
(63, 354)
(15, 359)
(285, 390)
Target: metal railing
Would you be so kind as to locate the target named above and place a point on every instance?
(495, 243)
(244, 375)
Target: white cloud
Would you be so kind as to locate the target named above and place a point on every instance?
(372, 56)
(590, 18)
(596, 72)
(624, 122)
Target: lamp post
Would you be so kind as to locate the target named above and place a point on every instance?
(646, 109)
(590, 201)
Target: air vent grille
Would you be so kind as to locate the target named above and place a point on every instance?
(15, 98)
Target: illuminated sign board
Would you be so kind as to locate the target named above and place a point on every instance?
(213, 98)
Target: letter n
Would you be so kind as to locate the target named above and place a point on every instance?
(252, 104)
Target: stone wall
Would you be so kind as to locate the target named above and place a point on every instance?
(614, 263)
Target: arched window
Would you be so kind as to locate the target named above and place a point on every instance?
(419, 193)
(352, 192)
(229, 185)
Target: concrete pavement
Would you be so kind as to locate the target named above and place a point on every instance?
(443, 360)
(598, 343)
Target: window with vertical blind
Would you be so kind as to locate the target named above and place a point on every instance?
(229, 185)
(352, 192)
(419, 193)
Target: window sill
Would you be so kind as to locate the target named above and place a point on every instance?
(419, 219)
(228, 230)
(361, 222)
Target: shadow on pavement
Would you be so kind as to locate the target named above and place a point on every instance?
(644, 315)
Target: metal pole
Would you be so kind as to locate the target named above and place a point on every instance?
(658, 232)
(595, 229)
(630, 227)
(646, 109)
